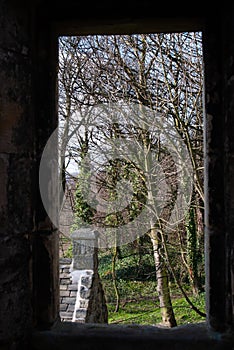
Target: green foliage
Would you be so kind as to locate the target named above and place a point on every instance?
(84, 213)
(66, 246)
(192, 240)
(69, 253)
(195, 252)
(138, 288)
(147, 311)
(131, 263)
(172, 56)
(117, 170)
(184, 314)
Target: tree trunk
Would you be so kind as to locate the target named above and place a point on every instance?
(167, 313)
(114, 278)
(192, 250)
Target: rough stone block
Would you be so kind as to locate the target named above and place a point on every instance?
(64, 293)
(67, 315)
(65, 281)
(83, 303)
(73, 287)
(63, 286)
(80, 320)
(64, 262)
(71, 308)
(63, 307)
(84, 292)
(84, 262)
(81, 313)
(69, 300)
(84, 234)
(64, 275)
(86, 281)
(66, 270)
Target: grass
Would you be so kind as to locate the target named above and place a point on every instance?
(138, 294)
(143, 312)
(146, 311)
(137, 288)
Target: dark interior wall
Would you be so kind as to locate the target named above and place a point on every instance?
(28, 63)
(218, 39)
(28, 242)
(45, 249)
(228, 111)
(215, 176)
(17, 168)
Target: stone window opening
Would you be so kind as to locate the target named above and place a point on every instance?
(215, 296)
(65, 227)
(29, 109)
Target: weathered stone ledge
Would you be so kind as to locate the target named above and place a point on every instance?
(106, 337)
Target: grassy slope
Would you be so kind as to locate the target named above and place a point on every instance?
(138, 294)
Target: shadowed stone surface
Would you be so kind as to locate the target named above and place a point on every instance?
(29, 262)
(82, 298)
(104, 337)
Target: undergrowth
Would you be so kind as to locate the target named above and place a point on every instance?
(138, 293)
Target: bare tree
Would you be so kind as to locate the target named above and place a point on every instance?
(161, 72)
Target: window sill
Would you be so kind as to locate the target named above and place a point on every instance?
(98, 336)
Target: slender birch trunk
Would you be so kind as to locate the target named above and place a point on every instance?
(167, 312)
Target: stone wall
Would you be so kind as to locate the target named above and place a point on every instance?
(82, 299)
(29, 288)
(17, 171)
(68, 290)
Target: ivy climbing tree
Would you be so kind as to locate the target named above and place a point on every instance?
(162, 72)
